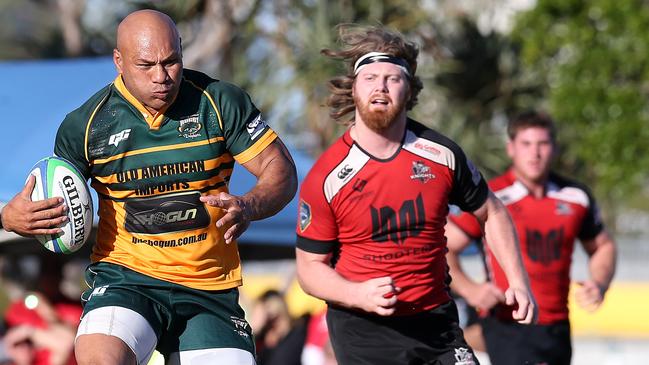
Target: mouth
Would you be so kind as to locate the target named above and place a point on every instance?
(380, 101)
(161, 93)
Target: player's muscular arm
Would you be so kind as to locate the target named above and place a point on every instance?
(320, 280)
(276, 181)
(480, 295)
(503, 242)
(603, 256)
(276, 186)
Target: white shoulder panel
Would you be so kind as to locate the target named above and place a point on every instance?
(344, 171)
(512, 193)
(429, 150)
(570, 194)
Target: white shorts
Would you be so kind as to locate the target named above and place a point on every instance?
(136, 332)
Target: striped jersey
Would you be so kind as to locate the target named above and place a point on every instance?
(150, 170)
(386, 217)
(547, 229)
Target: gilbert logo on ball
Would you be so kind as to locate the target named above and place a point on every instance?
(56, 177)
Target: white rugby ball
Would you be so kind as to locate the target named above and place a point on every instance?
(56, 177)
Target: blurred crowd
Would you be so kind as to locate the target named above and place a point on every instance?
(41, 311)
(284, 340)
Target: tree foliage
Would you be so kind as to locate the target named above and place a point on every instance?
(592, 57)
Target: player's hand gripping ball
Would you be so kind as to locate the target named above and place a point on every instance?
(56, 177)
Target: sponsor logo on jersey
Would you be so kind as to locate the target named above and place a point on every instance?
(344, 172)
(421, 172)
(544, 247)
(396, 226)
(174, 242)
(304, 211)
(116, 138)
(190, 127)
(164, 214)
(400, 254)
(463, 356)
(427, 147)
(256, 126)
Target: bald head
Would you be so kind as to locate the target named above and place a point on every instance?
(140, 26)
(149, 58)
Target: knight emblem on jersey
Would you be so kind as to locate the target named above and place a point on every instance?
(463, 356)
(189, 127)
(563, 209)
(421, 172)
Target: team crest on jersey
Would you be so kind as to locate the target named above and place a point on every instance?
(304, 212)
(256, 126)
(190, 127)
(463, 356)
(421, 172)
(563, 209)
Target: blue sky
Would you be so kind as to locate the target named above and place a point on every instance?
(35, 96)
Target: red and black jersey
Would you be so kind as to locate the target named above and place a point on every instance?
(386, 217)
(547, 228)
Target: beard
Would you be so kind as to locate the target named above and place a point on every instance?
(378, 120)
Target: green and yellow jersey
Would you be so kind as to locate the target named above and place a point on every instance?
(150, 170)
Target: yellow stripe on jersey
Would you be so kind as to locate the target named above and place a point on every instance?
(207, 165)
(209, 97)
(256, 148)
(92, 116)
(154, 121)
(175, 146)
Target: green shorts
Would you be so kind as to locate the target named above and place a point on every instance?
(182, 318)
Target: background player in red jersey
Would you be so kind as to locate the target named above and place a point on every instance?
(372, 212)
(549, 212)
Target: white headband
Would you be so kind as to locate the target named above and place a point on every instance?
(373, 57)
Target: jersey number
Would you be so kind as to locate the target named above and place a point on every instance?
(388, 226)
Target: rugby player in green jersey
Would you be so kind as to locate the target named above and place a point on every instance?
(159, 145)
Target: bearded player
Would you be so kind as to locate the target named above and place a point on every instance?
(370, 235)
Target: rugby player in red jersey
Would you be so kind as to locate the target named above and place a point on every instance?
(549, 212)
(372, 210)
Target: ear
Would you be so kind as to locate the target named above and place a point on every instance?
(117, 60)
(510, 148)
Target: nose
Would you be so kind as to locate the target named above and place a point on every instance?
(159, 74)
(382, 85)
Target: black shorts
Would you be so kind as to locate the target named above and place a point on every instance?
(432, 337)
(510, 343)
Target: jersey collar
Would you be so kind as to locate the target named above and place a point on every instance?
(154, 121)
(550, 185)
